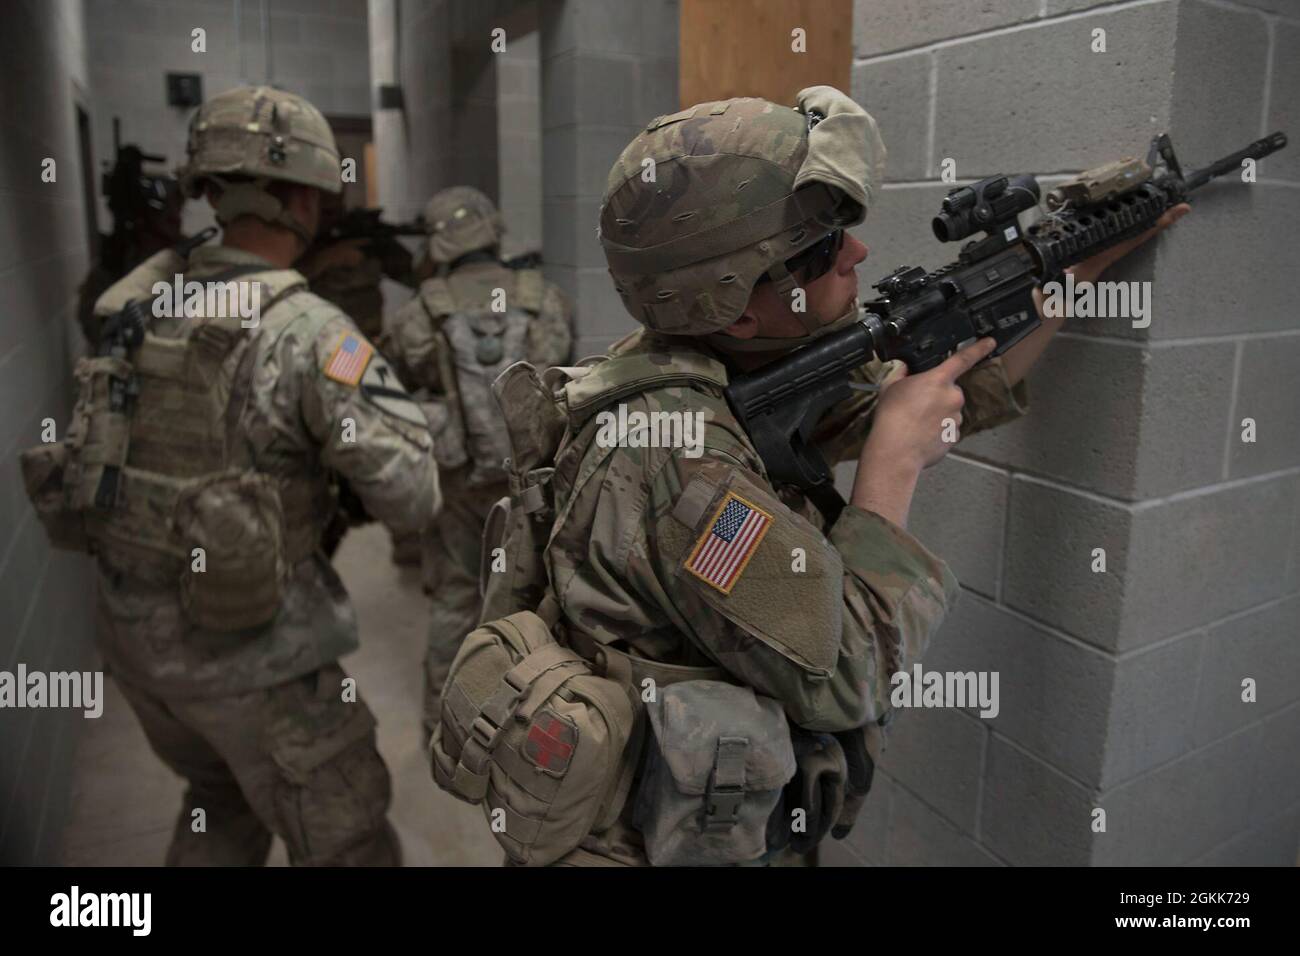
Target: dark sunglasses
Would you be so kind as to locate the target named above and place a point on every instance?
(815, 261)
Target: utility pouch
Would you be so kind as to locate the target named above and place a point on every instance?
(528, 731)
(714, 772)
(44, 468)
(447, 430)
(238, 580)
(99, 433)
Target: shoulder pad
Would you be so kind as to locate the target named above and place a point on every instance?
(737, 548)
(625, 375)
(530, 287)
(162, 266)
(436, 295)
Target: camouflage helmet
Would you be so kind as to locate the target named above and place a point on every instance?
(263, 135)
(705, 202)
(460, 220)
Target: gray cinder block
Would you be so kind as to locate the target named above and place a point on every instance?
(1268, 391)
(1217, 271)
(1054, 129)
(1270, 843)
(959, 512)
(936, 752)
(1152, 708)
(1202, 557)
(880, 26)
(1032, 814)
(897, 93)
(1277, 778)
(1283, 105)
(1173, 815)
(1048, 559)
(1219, 81)
(1053, 693)
(920, 837)
(1084, 418)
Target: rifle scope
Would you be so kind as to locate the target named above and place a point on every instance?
(983, 205)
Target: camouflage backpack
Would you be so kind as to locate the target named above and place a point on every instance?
(466, 422)
(548, 734)
(150, 475)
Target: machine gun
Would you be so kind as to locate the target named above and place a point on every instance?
(923, 317)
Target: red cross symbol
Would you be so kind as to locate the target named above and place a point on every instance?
(548, 742)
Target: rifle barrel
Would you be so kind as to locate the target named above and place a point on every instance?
(1256, 150)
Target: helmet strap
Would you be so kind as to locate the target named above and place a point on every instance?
(786, 286)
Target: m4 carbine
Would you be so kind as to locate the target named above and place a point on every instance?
(923, 317)
(366, 224)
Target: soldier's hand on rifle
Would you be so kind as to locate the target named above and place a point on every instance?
(911, 418)
(915, 424)
(346, 252)
(1090, 270)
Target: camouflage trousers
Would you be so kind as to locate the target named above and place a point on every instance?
(452, 552)
(294, 760)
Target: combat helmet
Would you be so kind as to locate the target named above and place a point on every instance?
(259, 135)
(461, 220)
(705, 202)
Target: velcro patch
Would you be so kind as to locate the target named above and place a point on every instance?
(350, 358)
(550, 741)
(730, 540)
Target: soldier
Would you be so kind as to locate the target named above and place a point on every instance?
(146, 209)
(197, 454)
(683, 568)
(347, 273)
(468, 323)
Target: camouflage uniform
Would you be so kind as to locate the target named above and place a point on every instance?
(822, 636)
(255, 717)
(465, 233)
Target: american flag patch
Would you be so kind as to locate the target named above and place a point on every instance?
(723, 551)
(349, 360)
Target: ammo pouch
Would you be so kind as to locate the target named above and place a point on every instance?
(720, 756)
(44, 468)
(99, 434)
(447, 428)
(530, 732)
(237, 520)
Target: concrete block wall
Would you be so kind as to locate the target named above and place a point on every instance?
(316, 48)
(607, 70)
(519, 136)
(1119, 690)
(46, 596)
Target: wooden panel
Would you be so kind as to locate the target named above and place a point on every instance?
(744, 48)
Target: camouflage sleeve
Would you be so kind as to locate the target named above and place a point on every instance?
(990, 401)
(550, 335)
(819, 624)
(368, 427)
(413, 346)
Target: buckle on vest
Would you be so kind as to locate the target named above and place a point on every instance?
(726, 789)
(722, 808)
(484, 731)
